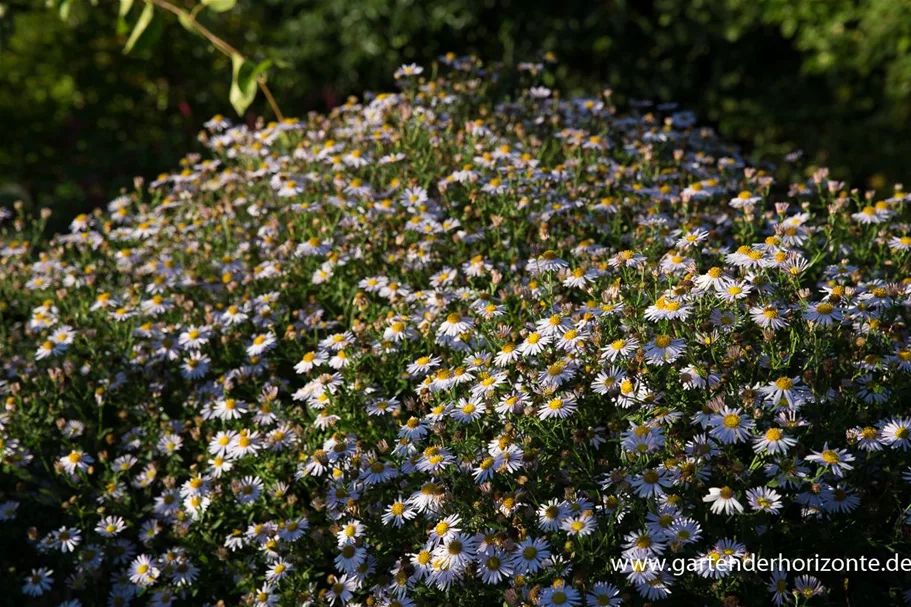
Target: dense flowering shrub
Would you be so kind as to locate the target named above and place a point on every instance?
(457, 345)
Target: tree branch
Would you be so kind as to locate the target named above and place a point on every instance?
(219, 44)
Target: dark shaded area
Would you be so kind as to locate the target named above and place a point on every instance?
(79, 119)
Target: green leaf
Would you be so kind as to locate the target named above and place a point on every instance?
(220, 6)
(243, 82)
(187, 23)
(63, 8)
(122, 12)
(145, 19)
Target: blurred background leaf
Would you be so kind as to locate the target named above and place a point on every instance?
(79, 119)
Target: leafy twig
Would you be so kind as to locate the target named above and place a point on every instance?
(241, 98)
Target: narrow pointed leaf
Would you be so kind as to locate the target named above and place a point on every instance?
(220, 6)
(145, 19)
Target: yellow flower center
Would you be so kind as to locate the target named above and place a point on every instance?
(830, 457)
(784, 383)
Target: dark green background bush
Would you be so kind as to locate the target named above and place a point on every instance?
(78, 119)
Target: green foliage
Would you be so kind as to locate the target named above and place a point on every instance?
(243, 81)
(220, 6)
(145, 19)
(830, 77)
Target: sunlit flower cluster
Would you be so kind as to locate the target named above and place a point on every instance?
(462, 344)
